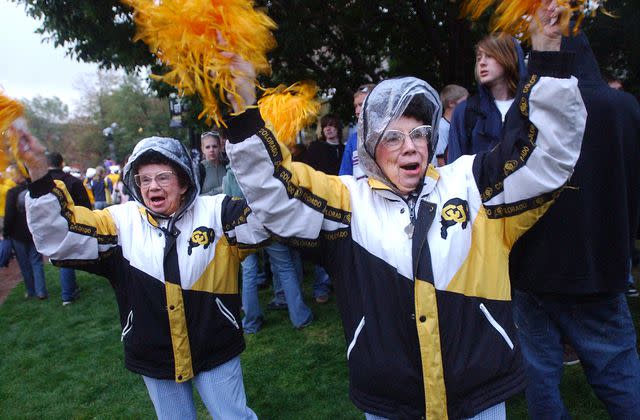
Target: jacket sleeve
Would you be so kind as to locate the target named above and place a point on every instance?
(346, 166)
(9, 212)
(518, 179)
(80, 194)
(241, 227)
(291, 199)
(70, 235)
(457, 134)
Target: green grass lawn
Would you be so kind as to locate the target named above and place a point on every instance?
(67, 362)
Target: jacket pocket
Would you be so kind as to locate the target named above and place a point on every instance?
(496, 325)
(227, 313)
(128, 326)
(355, 337)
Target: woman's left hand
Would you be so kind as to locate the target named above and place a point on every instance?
(547, 27)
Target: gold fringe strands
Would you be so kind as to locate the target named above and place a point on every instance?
(10, 111)
(290, 109)
(514, 16)
(191, 36)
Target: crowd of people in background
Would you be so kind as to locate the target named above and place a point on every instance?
(568, 274)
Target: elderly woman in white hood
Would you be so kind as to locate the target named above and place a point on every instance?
(172, 258)
(420, 255)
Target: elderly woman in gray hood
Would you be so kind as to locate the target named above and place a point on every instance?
(172, 258)
(420, 255)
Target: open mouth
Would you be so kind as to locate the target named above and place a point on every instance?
(157, 200)
(410, 167)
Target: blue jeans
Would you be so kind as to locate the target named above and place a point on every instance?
(262, 268)
(601, 331)
(30, 262)
(221, 390)
(68, 284)
(284, 272)
(321, 282)
(278, 292)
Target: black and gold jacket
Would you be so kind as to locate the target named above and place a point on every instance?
(175, 280)
(423, 290)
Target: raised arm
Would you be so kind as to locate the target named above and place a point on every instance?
(70, 235)
(541, 141)
(292, 200)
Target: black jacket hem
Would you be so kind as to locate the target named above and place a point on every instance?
(143, 368)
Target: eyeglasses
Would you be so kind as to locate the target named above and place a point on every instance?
(393, 140)
(163, 179)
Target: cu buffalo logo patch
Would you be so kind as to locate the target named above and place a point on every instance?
(454, 211)
(201, 236)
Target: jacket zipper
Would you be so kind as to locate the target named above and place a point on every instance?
(227, 313)
(355, 337)
(497, 326)
(128, 326)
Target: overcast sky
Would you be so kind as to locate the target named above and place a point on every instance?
(31, 67)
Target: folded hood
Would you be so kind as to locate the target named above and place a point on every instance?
(174, 151)
(387, 102)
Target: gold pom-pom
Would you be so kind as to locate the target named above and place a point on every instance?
(191, 36)
(290, 109)
(10, 110)
(514, 16)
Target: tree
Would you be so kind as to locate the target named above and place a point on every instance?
(91, 31)
(137, 112)
(125, 100)
(109, 98)
(343, 44)
(615, 43)
(339, 44)
(46, 118)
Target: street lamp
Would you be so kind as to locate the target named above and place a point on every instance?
(108, 133)
(176, 108)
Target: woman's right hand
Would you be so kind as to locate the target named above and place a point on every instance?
(244, 78)
(32, 153)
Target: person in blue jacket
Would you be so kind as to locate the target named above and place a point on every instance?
(477, 122)
(349, 165)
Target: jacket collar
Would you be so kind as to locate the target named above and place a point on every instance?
(428, 185)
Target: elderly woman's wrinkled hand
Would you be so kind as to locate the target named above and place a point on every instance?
(244, 78)
(244, 81)
(32, 153)
(547, 27)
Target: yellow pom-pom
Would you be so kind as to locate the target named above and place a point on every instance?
(290, 109)
(10, 110)
(191, 36)
(514, 16)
